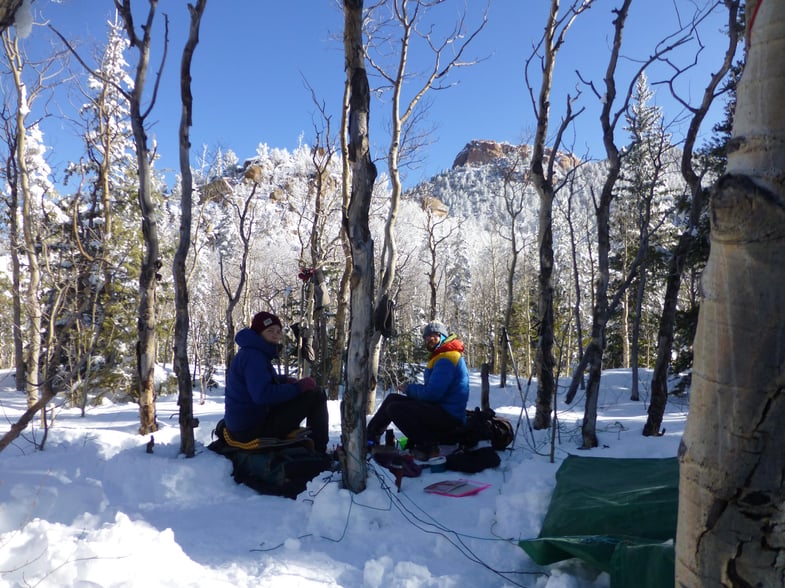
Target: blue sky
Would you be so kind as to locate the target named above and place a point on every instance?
(255, 57)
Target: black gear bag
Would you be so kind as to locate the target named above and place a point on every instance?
(282, 467)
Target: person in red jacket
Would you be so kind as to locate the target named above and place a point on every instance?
(259, 402)
(428, 412)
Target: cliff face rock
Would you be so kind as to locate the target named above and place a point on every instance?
(483, 152)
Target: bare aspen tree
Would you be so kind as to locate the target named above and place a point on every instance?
(321, 297)
(336, 368)
(181, 327)
(320, 247)
(543, 179)
(245, 211)
(733, 452)
(435, 237)
(32, 303)
(486, 294)
(151, 262)
(447, 54)
(579, 230)
(679, 256)
(42, 375)
(606, 303)
(515, 185)
(359, 378)
(594, 351)
(11, 201)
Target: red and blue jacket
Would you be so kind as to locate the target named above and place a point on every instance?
(446, 379)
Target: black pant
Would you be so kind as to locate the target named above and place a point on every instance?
(286, 417)
(423, 423)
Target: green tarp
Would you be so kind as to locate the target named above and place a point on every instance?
(619, 515)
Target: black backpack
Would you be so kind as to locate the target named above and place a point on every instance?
(278, 467)
(485, 425)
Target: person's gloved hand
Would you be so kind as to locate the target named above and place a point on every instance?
(307, 384)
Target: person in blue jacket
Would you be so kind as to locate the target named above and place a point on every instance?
(261, 403)
(426, 413)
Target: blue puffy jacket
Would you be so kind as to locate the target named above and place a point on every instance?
(446, 379)
(252, 384)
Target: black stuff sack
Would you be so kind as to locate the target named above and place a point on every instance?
(472, 461)
(281, 472)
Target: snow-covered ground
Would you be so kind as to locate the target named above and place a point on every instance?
(95, 509)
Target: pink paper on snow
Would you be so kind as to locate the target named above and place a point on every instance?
(456, 488)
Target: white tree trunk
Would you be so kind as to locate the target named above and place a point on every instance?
(730, 530)
(32, 306)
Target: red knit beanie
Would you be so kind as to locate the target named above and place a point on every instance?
(263, 320)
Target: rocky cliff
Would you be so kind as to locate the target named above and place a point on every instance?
(483, 152)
